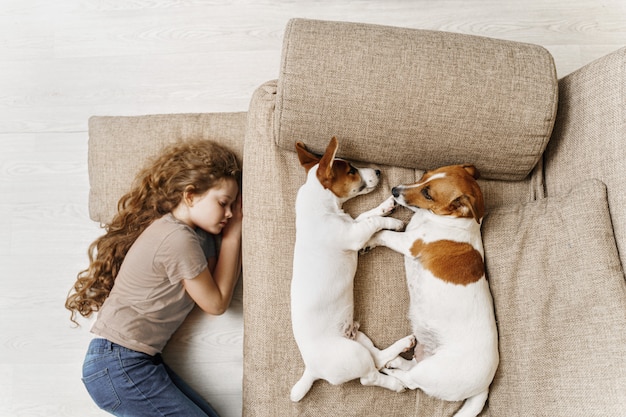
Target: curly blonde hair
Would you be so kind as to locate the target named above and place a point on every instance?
(157, 189)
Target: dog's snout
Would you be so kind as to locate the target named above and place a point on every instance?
(395, 192)
(378, 172)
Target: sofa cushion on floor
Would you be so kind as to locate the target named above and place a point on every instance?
(119, 146)
(560, 301)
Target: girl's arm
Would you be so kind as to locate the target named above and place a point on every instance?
(213, 291)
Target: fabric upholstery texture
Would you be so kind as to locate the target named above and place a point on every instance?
(442, 98)
(406, 100)
(589, 138)
(325, 91)
(119, 146)
(560, 302)
(273, 364)
(318, 97)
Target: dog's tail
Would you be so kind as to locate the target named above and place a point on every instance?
(473, 405)
(302, 386)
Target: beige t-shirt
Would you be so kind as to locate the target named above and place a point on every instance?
(148, 301)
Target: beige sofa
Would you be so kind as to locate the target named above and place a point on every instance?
(552, 154)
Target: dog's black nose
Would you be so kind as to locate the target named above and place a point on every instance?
(378, 172)
(395, 192)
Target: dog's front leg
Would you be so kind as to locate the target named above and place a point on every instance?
(396, 241)
(362, 231)
(384, 209)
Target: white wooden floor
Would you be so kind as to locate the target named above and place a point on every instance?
(65, 60)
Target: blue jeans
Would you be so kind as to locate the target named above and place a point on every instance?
(124, 382)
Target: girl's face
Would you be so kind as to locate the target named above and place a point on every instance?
(212, 210)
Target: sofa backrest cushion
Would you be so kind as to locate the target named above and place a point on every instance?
(589, 135)
(415, 98)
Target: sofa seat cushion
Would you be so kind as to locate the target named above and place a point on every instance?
(560, 301)
(414, 98)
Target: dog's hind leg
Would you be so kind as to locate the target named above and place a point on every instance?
(400, 363)
(382, 357)
(375, 378)
(405, 364)
(404, 376)
(303, 386)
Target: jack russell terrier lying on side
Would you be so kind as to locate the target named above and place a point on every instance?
(451, 309)
(324, 264)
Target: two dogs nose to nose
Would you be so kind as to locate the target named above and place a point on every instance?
(395, 191)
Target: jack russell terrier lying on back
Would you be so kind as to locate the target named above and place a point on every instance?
(324, 264)
(451, 309)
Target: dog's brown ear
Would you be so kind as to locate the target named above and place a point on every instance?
(472, 170)
(307, 159)
(466, 206)
(325, 170)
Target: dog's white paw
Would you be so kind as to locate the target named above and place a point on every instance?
(398, 386)
(394, 224)
(393, 364)
(371, 244)
(411, 342)
(365, 249)
(388, 206)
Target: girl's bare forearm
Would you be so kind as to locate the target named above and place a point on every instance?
(228, 267)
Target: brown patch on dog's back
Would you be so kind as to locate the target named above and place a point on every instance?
(454, 262)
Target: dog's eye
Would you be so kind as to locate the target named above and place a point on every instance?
(352, 171)
(426, 193)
